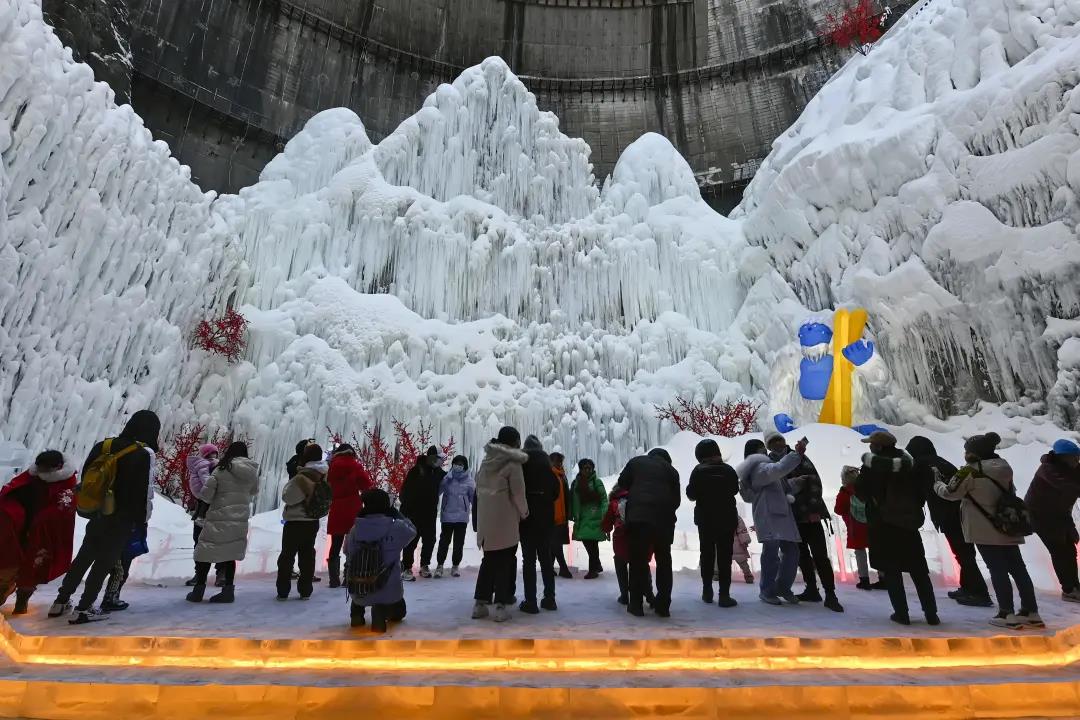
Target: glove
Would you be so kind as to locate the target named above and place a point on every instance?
(783, 422)
(859, 352)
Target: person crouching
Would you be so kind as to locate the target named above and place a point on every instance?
(373, 561)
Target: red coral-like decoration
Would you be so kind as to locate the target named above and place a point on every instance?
(858, 26)
(388, 462)
(225, 336)
(172, 475)
(730, 419)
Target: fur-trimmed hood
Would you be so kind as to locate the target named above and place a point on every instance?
(888, 463)
(65, 472)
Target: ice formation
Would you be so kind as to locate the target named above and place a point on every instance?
(468, 269)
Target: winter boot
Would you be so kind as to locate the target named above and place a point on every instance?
(22, 602)
(192, 582)
(624, 599)
(479, 611)
(969, 600)
(59, 607)
(455, 571)
(225, 596)
(566, 574)
(333, 568)
(707, 595)
(356, 615)
(932, 618)
(438, 572)
(378, 619)
(635, 609)
(501, 614)
(662, 609)
(864, 584)
(881, 584)
(425, 572)
(832, 602)
(810, 594)
(548, 603)
(111, 604)
(592, 575)
(1072, 596)
(900, 619)
(196, 594)
(218, 580)
(529, 606)
(727, 601)
(957, 593)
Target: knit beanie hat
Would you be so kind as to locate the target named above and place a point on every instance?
(706, 449)
(983, 447)
(773, 435)
(509, 436)
(1066, 447)
(208, 449)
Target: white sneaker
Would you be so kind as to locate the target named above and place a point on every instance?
(438, 572)
(454, 572)
(479, 611)
(407, 576)
(502, 614)
(1073, 597)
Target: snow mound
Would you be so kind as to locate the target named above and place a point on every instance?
(935, 183)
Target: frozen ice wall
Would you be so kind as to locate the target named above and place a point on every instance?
(935, 182)
(104, 257)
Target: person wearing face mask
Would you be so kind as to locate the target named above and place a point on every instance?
(979, 486)
(458, 492)
(1050, 499)
(420, 503)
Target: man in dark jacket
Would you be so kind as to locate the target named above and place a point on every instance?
(810, 513)
(894, 488)
(420, 504)
(945, 515)
(654, 496)
(541, 489)
(106, 535)
(713, 486)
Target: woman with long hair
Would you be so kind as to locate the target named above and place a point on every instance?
(588, 501)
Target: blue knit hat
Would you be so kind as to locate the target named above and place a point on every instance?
(1066, 447)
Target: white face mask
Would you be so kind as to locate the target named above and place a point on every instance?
(459, 468)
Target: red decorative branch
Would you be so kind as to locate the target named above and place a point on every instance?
(225, 336)
(731, 419)
(388, 462)
(172, 475)
(858, 26)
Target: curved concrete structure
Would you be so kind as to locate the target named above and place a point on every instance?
(226, 83)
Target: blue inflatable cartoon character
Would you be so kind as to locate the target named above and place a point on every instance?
(829, 378)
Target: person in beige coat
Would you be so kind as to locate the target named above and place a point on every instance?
(299, 530)
(228, 494)
(978, 486)
(500, 506)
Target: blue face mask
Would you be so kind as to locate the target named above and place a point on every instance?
(459, 468)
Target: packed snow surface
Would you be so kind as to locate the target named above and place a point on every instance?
(470, 270)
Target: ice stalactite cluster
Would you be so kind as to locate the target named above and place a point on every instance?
(935, 182)
(105, 258)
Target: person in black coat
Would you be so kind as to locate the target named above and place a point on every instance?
(293, 464)
(945, 515)
(420, 504)
(811, 513)
(713, 486)
(541, 489)
(894, 487)
(654, 496)
(107, 535)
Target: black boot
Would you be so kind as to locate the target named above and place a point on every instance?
(22, 602)
(810, 594)
(356, 615)
(197, 592)
(378, 619)
(832, 602)
(333, 567)
(225, 596)
(707, 594)
(112, 603)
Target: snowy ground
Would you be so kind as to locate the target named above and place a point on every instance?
(439, 609)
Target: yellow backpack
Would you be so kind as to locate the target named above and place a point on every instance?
(94, 496)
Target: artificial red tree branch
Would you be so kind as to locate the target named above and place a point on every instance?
(731, 419)
(225, 336)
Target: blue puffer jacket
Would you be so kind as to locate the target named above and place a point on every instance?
(394, 532)
(458, 491)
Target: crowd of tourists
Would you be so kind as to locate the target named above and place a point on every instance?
(521, 503)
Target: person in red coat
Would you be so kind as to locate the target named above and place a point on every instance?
(348, 480)
(37, 527)
(614, 524)
(853, 511)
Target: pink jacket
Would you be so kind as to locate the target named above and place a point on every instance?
(740, 550)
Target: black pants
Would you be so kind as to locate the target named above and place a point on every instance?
(715, 555)
(297, 544)
(971, 577)
(898, 596)
(592, 549)
(393, 612)
(195, 534)
(425, 531)
(1062, 550)
(101, 547)
(225, 570)
(497, 576)
(557, 553)
(1006, 566)
(814, 555)
(333, 560)
(537, 549)
(455, 532)
(643, 537)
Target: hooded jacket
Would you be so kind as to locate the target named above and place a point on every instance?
(972, 484)
(420, 492)
(299, 489)
(347, 479)
(588, 516)
(713, 486)
(804, 480)
(769, 495)
(944, 514)
(1051, 496)
(37, 524)
(541, 489)
(500, 497)
(893, 486)
(393, 532)
(132, 485)
(458, 492)
(229, 493)
(654, 490)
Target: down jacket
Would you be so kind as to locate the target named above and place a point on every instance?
(37, 525)
(393, 531)
(229, 493)
(772, 512)
(500, 497)
(347, 479)
(972, 484)
(458, 491)
(588, 516)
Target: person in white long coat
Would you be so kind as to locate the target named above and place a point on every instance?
(223, 541)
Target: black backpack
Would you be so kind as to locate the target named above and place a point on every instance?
(1011, 516)
(317, 504)
(365, 572)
